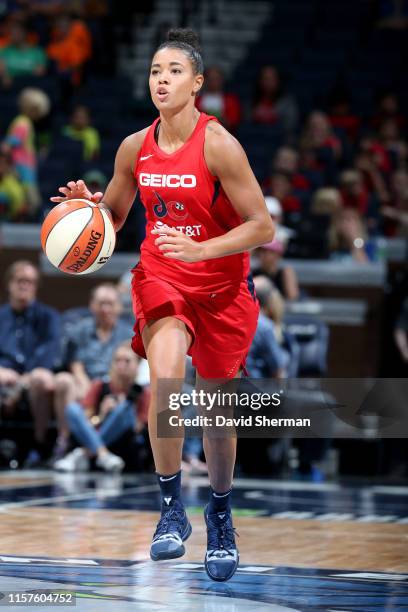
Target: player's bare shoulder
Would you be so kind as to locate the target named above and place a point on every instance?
(220, 147)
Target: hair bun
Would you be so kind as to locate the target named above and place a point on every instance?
(184, 35)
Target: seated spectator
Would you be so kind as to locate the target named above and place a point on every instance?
(388, 107)
(372, 147)
(272, 104)
(70, 48)
(342, 117)
(348, 236)
(29, 352)
(280, 187)
(33, 104)
(326, 201)
(354, 194)
(215, 101)
(401, 334)
(284, 277)
(286, 161)
(113, 406)
(12, 195)
(371, 178)
(396, 213)
(94, 339)
(19, 58)
(390, 139)
(318, 138)
(80, 129)
(266, 359)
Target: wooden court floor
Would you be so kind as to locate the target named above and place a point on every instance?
(336, 538)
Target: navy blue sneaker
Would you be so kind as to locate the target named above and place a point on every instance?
(172, 529)
(221, 558)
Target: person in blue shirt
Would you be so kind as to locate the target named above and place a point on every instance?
(29, 348)
(266, 358)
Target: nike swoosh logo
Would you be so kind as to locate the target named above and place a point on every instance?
(166, 479)
(146, 157)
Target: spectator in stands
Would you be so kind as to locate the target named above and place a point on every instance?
(348, 236)
(70, 49)
(326, 201)
(272, 104)
(29, 350)
(93, 341)
(388, 107)
(354, 193)
(284, 277)
(33, 104)
(401, 333)
(113, 406)
(280, 187)
(396, 213)
(318, 138)
(80, 128)
(12, 195)
(216, 101)
(396, 148)
(370, 184)
(341, 115)
(286, 161)
(266, 359)
(19, 58)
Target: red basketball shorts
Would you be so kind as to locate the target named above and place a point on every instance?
(222, 324)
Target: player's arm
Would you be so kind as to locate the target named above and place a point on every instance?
(227, 161)
(121, 191)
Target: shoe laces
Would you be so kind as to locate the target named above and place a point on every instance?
(221, 535)
(170, 521)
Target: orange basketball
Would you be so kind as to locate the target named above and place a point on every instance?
(78, 236)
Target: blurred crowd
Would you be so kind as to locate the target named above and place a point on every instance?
(82, 388)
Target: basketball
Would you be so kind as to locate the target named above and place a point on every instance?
(78, 237)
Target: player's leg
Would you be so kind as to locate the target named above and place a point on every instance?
(222, 557)
(166, 343)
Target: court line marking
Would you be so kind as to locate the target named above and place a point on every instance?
(384, 490)
(74, 496)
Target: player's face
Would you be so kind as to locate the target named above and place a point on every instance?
(172, 81)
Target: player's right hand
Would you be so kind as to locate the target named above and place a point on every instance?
(75, 190)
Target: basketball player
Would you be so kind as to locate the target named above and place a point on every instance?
(192, 291)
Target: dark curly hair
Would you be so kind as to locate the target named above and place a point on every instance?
(187, 41)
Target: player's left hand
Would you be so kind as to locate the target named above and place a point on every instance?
(176, 245)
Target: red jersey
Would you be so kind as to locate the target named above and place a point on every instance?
(179, 191)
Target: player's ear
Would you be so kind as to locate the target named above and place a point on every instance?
(198, 83)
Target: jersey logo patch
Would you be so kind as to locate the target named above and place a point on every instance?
(188, 181)
(175, 210)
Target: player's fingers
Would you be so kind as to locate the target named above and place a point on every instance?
(57, 199)
(162, 239)
(96, 197)
(71, 184)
